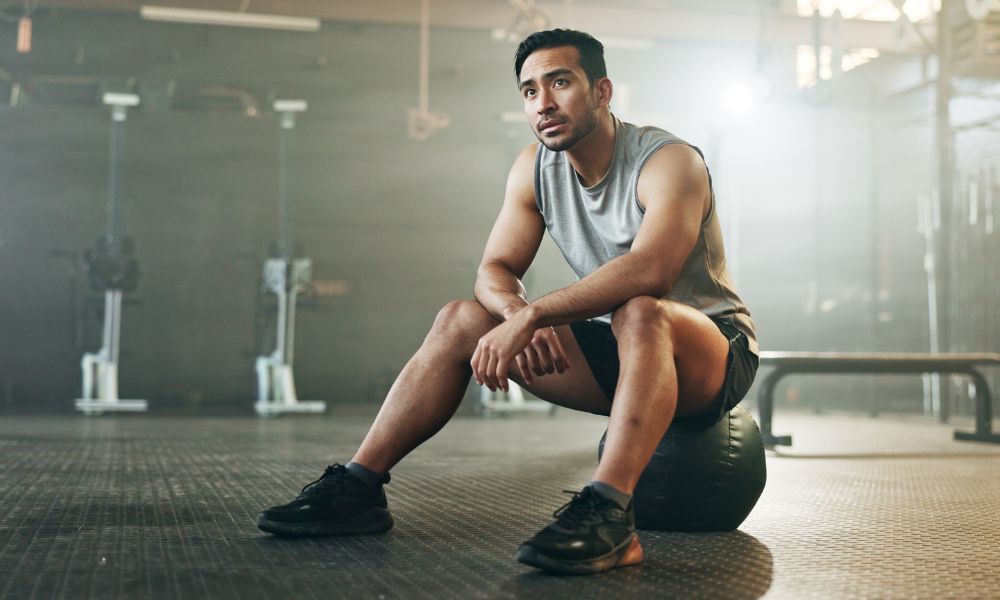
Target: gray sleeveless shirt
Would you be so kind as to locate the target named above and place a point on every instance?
(592, 226)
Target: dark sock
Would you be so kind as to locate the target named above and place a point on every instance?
(611, 493)
(366, 475)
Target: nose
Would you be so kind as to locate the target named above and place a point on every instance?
(545, 102)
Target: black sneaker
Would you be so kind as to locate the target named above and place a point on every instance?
(591, 534)
(334, 504)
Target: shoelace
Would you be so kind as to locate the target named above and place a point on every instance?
(578, 510)
(331, 479)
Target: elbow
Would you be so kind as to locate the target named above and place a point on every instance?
(663, 280)
(656, 280)
(483, 281)
(659, 287)
(482, 272)
(480, 286)
(485, 278)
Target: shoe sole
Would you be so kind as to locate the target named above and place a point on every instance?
(374, 520)
(629, 553)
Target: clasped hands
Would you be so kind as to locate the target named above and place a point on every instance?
(536, 352)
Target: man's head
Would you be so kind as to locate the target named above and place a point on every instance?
(564, 85)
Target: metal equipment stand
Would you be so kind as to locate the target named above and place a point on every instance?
(286, 277)
(100, 370)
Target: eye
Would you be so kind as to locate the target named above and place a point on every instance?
(560, 82)
(528, 92)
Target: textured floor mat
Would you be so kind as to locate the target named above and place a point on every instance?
(163, 507)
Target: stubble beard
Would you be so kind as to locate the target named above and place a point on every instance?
(586, 126)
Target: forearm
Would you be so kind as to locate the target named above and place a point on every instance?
(499, 291)
(599, 293)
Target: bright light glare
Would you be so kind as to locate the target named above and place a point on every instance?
(739, 98)
(806, 69)
(856, 58)
(870, 10)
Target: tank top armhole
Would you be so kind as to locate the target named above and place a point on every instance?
(711, 186)
(538, 179)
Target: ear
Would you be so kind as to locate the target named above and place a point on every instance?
(604, 91)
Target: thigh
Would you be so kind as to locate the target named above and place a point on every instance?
(687, 338)
(701, 357)
(741, 367)
(576, 387)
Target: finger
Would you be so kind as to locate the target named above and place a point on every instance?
(545, 357)
(559, 351)
(488, 371)
(533, 361)
(474, 363)
(482, 367)
(502, 365)
(542, 350)
(522, 365)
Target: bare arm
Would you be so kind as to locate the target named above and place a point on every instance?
(513, 242)
(511, 247)
(673, 186)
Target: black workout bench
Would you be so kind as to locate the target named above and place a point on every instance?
(788, 363)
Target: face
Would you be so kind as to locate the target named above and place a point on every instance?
(560, 103)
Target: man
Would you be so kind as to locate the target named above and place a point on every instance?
(651, 331)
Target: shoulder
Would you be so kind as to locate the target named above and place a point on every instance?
(675, 168)
(672, 161)
(521, 179)
(651, 149)
(527, 154)
(524, 164)
(677, 156)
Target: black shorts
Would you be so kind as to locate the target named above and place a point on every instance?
(601, 351)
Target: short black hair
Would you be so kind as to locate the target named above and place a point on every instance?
(591, 50)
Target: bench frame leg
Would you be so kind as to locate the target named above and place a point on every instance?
(984, 413)
(765, 408)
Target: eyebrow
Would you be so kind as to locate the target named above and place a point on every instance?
(549, 75)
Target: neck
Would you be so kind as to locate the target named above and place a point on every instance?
(591, 156)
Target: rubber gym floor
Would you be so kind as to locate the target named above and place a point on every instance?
(126, 506)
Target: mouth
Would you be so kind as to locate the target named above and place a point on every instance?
(551, 126)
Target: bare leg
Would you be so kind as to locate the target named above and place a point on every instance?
(429, 389)
(673, 361)
(432, 384)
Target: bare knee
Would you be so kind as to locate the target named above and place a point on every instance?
(642, 315)
(462, 321)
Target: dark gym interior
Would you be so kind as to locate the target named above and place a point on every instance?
(855, 159)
